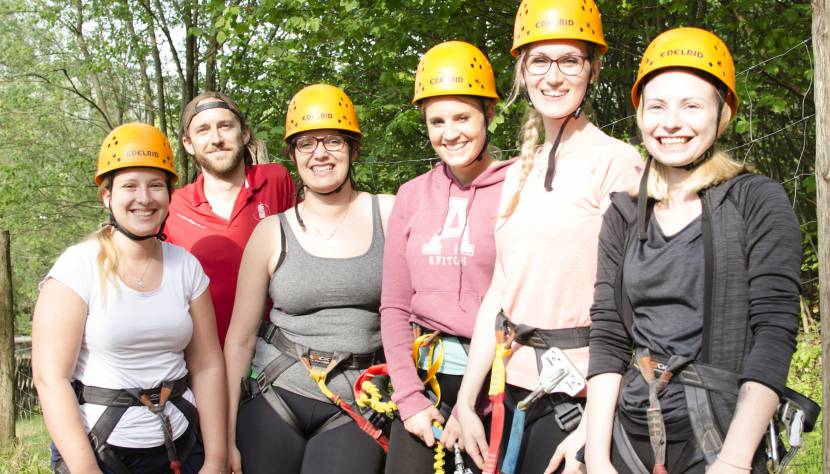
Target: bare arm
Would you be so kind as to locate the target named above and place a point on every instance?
(482, 351)
(57, 332)
(756, 405)
(603, 390)
(258, 261)
(385, 204)
(207, 372)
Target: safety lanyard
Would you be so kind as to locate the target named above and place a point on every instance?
(158, 410)
(504, 341)
(654, 414)
(435, 359)
(319, 376)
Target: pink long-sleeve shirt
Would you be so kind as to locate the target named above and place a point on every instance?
(437, 266)
(547, 248)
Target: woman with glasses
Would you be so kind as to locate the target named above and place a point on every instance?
(318, 265)
(546, 240)
(440, 252)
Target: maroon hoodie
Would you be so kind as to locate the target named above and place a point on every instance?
(437, 266)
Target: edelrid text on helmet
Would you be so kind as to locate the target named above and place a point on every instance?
(135, 144)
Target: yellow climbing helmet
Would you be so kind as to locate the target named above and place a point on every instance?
(540, 20)
(320, 106)
(454, 68)
(691, 48)
(135, 144)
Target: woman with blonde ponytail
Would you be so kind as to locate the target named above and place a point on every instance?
(124, 344)
(554, 197)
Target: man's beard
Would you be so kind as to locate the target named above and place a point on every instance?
(221, 170)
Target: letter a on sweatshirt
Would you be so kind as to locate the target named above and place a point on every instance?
(453, 228)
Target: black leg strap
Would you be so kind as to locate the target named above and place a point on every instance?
(702, 418)
(626, 450)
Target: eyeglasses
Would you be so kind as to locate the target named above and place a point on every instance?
(308, 144)
(569, 65)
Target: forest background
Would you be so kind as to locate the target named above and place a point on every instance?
(71, 70)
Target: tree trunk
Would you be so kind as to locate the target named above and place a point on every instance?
(210, 63)
(93, 77)
(189, 83)
(154, 50)
(7, 375)
(138, 48)
(821, 53)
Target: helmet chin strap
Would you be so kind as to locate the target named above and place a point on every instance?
(552, 155)
(138, 238)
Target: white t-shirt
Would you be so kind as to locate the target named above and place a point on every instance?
(133, 339)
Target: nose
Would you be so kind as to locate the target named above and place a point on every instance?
(143, 195)
(554, 75)
(451, 132)
(671, 119)
(320, 151)
(215, 136)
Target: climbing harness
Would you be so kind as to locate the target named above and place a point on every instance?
(558, 375)
(118, 401)
(796, 415)
(566, 412)
(319, 365)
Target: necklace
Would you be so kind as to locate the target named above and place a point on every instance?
(140, 279)
(336, 228)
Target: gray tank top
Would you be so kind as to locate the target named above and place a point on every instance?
(327, 304)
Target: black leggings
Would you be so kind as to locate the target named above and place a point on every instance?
(149, 460)
(542, 435)
(409, 455)
(268, 444)
(680, 456)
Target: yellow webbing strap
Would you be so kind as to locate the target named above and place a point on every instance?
(435, 359)
(497, 372)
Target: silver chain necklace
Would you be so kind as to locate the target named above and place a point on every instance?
(336, 228)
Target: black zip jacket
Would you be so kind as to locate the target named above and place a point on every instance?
(752, 253)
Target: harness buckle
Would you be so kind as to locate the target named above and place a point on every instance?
(262, 382)
(318, 359)
(567, 415)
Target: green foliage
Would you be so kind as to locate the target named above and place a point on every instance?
(31, 453)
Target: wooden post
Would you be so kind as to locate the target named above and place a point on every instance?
(7, 374)
(821, 53)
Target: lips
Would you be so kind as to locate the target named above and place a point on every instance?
(456, 147)
(554, 94)
(322, 169)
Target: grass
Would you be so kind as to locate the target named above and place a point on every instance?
(30, 455)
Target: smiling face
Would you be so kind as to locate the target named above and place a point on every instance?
(138, 199)
(216, 139)
(458, 131)
(323, 168)
(554, 94)
(679, 117)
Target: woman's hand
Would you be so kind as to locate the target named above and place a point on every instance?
(566, 451)
(420, 424)
(452, 434)
(234, 459)
(475, 441)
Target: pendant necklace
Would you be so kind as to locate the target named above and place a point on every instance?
(336, 228)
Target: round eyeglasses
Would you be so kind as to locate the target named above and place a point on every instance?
(569, 65)
(308, 144)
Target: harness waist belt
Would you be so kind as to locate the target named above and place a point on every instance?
(272, 334)
(701, 375)
(125, 397)
(568, 338)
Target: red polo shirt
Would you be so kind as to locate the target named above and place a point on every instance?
(218, 243)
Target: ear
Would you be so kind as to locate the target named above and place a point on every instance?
(490, 111)
(187, 144)
(596, 67)
(106, 196)
(246, 136)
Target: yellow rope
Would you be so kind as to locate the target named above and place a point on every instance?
(370, 396)
(438, 465)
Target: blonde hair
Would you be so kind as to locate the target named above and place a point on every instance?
(716, 169)
(108, 255)
(532, 126)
